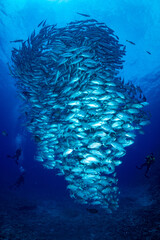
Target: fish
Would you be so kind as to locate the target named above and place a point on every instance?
(40, 23)
(148, 52)
(32, 36)
(84, 15)
(94, 145)
(15, 41)
(130, 42)
(117, 146)
(81, 114)
(67, 152)
(44, 22)
(90, 159)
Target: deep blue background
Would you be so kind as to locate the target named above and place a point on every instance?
(138, 22)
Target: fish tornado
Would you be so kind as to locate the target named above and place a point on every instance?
(80, 113)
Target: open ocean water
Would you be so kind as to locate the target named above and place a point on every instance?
(80, 100)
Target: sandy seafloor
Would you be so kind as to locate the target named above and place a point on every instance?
(36, 217)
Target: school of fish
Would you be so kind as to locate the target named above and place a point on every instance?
(80, 113)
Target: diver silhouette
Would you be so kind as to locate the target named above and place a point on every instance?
(16, 156)
(20, 179)
(149, 161)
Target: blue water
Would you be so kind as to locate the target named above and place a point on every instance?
(42, 207)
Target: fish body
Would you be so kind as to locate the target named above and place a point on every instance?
(130, 42)
(15, 41)
(94, 145)
(84, 15)
(148, 52)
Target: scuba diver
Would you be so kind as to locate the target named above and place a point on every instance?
(20, 179)
(149, 161)
(16, 156)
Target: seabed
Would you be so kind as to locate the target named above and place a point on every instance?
(38, 217)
